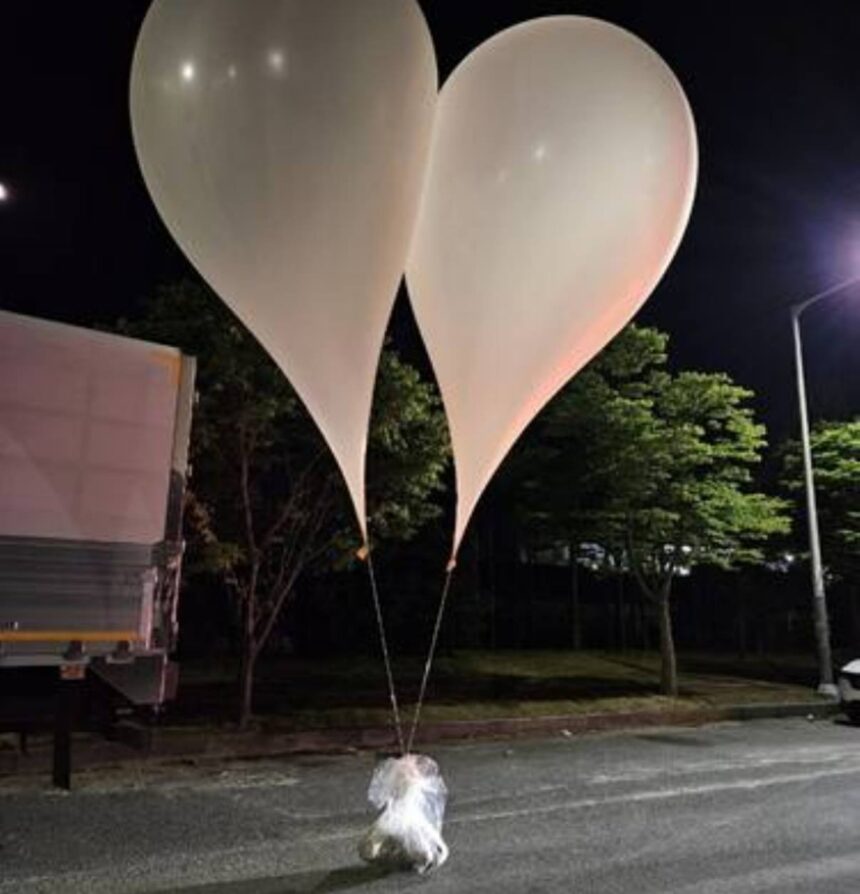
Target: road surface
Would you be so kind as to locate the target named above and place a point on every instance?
(729, 809)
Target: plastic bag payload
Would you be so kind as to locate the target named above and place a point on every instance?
(407, 834)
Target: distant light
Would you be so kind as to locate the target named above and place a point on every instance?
(4, 193)
(187, 72)
(276, 60)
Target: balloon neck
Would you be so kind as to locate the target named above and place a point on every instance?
(452, 564)
(362, 552)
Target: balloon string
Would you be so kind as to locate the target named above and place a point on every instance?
(434, 639)
(392, 692)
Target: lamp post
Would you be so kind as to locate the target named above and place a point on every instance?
(826, 685)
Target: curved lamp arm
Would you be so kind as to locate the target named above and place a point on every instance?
(798, 308)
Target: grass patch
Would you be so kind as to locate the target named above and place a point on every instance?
(298, 694)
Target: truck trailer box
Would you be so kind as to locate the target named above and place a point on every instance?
(94, 433)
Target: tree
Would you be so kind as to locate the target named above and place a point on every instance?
(553, 475)
(266, 502)
(836, 465)
(655, 468)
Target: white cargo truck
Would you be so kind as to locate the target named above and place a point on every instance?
(94, 432)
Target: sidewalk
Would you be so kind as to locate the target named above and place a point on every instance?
(198, 744)
(339, 706)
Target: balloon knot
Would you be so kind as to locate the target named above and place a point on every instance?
(452, 564)
(363, 552)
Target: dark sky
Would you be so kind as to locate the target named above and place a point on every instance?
(774, 87)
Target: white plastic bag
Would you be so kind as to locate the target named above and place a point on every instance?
(411, 794)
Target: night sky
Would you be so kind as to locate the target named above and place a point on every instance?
(774, 87)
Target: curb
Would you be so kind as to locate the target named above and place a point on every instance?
(813, 710)
(193, 745)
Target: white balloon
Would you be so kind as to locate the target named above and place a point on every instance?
(284, 143)
(560, 181)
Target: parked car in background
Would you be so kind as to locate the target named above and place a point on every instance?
(849, 690)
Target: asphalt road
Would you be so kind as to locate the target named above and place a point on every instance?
(730, 809)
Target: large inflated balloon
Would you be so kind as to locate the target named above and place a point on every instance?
(560, 181)
(284, 143)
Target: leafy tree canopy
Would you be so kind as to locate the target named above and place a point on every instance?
(266, 500)
(836, 467)
(653, 469)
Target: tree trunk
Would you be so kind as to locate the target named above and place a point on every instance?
(668, 664)
(491, 576)
(699, 620)
(530, 603)
(853, 594)
(575, 611)
(645, 624)
(248, 654)
(621, 611)
(246, 686)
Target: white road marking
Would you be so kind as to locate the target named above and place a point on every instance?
(88, 788)
(276, 855)
(753, 762)
(661, 794)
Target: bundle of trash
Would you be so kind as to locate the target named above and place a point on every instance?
(411, 794)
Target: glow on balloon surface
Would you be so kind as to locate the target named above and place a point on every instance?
(284, 143)
(561, 178)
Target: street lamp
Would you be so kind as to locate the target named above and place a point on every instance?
(826, 685)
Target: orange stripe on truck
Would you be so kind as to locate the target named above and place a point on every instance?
(171, 362)
(67, 636)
